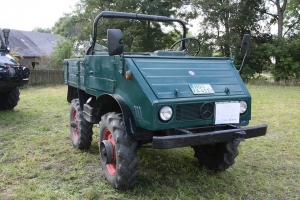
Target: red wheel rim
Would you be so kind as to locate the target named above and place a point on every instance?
(75, 130)
(111, 168)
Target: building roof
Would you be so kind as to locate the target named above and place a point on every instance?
(32, 44)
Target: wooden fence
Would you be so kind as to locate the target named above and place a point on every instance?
(43, 77)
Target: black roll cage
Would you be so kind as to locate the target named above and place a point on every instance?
(2, 44)
(123, 15)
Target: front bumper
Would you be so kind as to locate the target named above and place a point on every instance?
(195, 136)
(8, 85)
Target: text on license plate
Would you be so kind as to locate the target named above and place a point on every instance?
(201, 89)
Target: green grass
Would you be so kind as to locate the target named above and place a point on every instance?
(37, 160)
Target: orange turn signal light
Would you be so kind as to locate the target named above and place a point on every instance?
(128, 75)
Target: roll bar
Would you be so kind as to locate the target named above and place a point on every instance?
(123, 15)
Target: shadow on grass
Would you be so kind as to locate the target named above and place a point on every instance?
(176, 174)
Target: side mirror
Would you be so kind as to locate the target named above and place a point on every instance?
(245, 42)
(114, 42)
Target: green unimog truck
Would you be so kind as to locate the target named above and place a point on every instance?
(167, 98)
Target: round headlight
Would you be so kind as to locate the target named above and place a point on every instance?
(165, 113)
(243, 107)
(25, 72)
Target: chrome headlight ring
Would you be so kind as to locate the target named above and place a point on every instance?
(243, 107)
(165, 113)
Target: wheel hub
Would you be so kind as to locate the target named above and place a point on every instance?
(107, 152)
(73, 124)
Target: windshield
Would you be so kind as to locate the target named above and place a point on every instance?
(141, 33)
(139, 36)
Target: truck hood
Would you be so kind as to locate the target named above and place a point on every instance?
(176, 77)
(6, 60)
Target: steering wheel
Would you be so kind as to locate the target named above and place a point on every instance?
(191, 45)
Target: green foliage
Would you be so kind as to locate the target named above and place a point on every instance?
(284, 14)
(292, 17)
(226, 21)
(286, 56)
(223, 24)
(62, 50)
(41, 30)
(65, 27)
(256, 60)
(137, 35)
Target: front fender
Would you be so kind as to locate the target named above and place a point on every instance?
(132, 130)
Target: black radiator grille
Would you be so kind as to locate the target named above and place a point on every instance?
(194, 111)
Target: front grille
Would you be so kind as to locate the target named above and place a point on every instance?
(195, 111)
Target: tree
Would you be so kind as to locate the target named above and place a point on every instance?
(65, 27)
(138, 35)
(286, 14)
(62, 50)
(278, 16)
(41, 30)
(292, 19)
(287, 60)
(282, 48)
(226, 21)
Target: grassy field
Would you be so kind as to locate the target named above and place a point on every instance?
(37, 160)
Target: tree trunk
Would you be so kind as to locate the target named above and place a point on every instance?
(280, 11)
(227, 29)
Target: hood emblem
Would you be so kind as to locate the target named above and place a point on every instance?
(191, 73)
(207, 110)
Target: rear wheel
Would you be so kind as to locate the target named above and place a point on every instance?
(81, 130)
(217, 157)
(117, 152)
(9, 100)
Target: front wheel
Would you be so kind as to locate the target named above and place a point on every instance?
(81, 130)
(118, 153)
(9, 100)
(217, 157)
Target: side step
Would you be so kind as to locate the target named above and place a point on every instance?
(88, 114)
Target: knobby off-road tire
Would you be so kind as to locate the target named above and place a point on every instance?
(9, 100)
(81, 130)
(217, 157)
(121, 172)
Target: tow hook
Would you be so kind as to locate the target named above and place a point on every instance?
(238, 136)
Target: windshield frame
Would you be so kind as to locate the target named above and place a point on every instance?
(123, 15)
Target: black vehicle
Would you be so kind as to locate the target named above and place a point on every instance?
(12, 75)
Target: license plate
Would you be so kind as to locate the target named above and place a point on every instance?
(227, 112)
(201, 89)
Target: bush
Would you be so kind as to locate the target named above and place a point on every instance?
(62, 50)
(287, 60)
